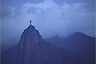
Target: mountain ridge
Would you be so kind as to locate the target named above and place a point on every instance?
(79, 44)
(32, 48)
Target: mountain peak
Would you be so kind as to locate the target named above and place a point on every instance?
(30, 36)
(32, 49)
(30, 28)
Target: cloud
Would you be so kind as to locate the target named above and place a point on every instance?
(50, 19)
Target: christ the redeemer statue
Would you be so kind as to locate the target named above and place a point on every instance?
(30, 22)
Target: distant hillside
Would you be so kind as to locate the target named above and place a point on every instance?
(9, 55)
(79, 44)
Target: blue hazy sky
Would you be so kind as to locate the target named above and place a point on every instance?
(50, 17)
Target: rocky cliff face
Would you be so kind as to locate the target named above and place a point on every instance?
(32, 49)
(29, 39)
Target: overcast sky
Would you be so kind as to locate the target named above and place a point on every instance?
(50, 17)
